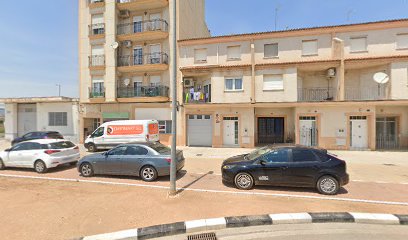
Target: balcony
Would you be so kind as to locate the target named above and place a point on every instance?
(143, 63)
(197, 90)
(97, 62)
(157, 93)
(97, 31)
(317, 94)
(141, 5)
(96, 95)
(143, 31)
(96, 3)
(366, 93)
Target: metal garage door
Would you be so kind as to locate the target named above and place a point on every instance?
(26, 118)
(199, 130)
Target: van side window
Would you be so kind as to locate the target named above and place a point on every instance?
(99, 132)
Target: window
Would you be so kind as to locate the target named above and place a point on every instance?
(118, 151)
(276, 156)
(358, 44)
(402, 41)
(233, 84)
(303, 155)
(27, 146)
(309, 47)
(98, 132)
(160, 148)
(98, 89)
(97, 24)
(200, 55)
(234, 53)
(62, 145)
(165, 127)
(271, 50)
(273, 82)
(136, 150)
(57, 119)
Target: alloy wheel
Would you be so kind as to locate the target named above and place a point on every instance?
(328, 185)
(244, 181)
(86, 170)
(40, 167)
(148, 174)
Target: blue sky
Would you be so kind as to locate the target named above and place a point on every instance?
(38, 47)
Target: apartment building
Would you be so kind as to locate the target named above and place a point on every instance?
(312, 86)
(124, 51)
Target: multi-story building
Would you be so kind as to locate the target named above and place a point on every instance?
(124, 56)
(311, 86)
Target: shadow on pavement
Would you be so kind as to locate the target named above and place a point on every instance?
(191, 183)
(60, 168)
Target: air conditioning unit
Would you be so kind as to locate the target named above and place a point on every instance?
(124, 13)
(127, 44)
(331, 72)
(188, 82)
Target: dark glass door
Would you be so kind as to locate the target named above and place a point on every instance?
(271, 130)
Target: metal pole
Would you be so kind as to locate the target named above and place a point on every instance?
(173, 170)
(59, 90)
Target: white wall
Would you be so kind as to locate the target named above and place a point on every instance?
(10, 123)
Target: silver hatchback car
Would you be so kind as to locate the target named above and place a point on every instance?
(147, 160)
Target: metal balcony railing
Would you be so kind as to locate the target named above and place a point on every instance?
(96, 29)
(143, 91)
(95, 1)
(96, 60)
(151, 58)
(315, 94)
(96, 93)
(390, 142)
(366, 93)
(143, 26)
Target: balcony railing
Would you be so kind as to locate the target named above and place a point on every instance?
(96, 29)
(96, 93)
(366, 93)
(97, 60)
(315, 94)
(95, 1)
(151, 58)
(144, 26)
(143, 91)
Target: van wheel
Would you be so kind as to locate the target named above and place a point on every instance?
(328, 185)
(148, 174)
(40, 166)
(92, 147)
(2, 166)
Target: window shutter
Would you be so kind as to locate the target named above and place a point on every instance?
(271, 50)
(97, 79)
(200, 55)
(97, 19)
(234, 52)
(309, 47)
(358, 44)
(402, 40)
(273, 82)
(155, 80)
(98, 50)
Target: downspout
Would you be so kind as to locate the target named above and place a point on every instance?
(252, 72)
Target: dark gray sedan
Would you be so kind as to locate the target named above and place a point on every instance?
(147, 160)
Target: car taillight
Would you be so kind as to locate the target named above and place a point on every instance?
(76, 147)
(168, 160)
(49, 152)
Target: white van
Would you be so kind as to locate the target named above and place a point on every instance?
(111, 134)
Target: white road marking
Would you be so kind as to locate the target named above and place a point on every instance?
(380, 182)
(215, 191)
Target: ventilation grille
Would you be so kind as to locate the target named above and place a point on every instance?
(202, 236)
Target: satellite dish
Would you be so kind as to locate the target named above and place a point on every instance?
(115, 45)
(381, 78)
(126, 82)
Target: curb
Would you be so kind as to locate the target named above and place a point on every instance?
(247, 221)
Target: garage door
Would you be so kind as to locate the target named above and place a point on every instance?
(199, 130)
(26, 118)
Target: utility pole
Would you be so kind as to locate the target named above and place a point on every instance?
(173, 59)
(276, 18)
(59, 89)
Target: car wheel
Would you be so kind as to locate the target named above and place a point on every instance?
(148, 174)
(244, 181)
(328, 185)
(40, 167)
(92, 148)
(2, 166)
(86, 170)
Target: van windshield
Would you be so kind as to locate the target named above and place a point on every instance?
(160, 148)
(98, 132)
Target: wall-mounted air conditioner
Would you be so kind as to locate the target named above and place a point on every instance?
(331, 72)
(127, 44)
(188, 82)
(124, 13)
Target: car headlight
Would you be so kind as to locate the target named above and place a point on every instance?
(228, 166)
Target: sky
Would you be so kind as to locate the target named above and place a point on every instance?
(39, 39)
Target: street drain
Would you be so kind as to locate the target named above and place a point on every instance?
(202, 236)
(199, 155)
(389, 165)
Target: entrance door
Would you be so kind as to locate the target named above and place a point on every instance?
(308, 131)
(271, 130)
(230, 135)
(386, 133)
(155, 54)
(155, 21)
(137, 24)
(359, 136)
(27, 118)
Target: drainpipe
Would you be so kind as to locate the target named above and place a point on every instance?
(252, 71)
(341, 70)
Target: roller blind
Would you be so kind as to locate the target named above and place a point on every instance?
(200, 55)
(155, 79)
(358, 44)
(98, 18)
(309, 47)
(234, 52)
(271, 50)
(98, 50)
(97, 79)
(273, 82)
(402, 40)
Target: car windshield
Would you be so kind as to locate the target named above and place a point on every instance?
(257, 153)
(160, 148)
(61, 145)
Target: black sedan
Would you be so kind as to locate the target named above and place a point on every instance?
(37, 135)
(293, 166)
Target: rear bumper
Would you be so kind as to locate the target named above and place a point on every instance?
(165, 171)
(55, 162)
